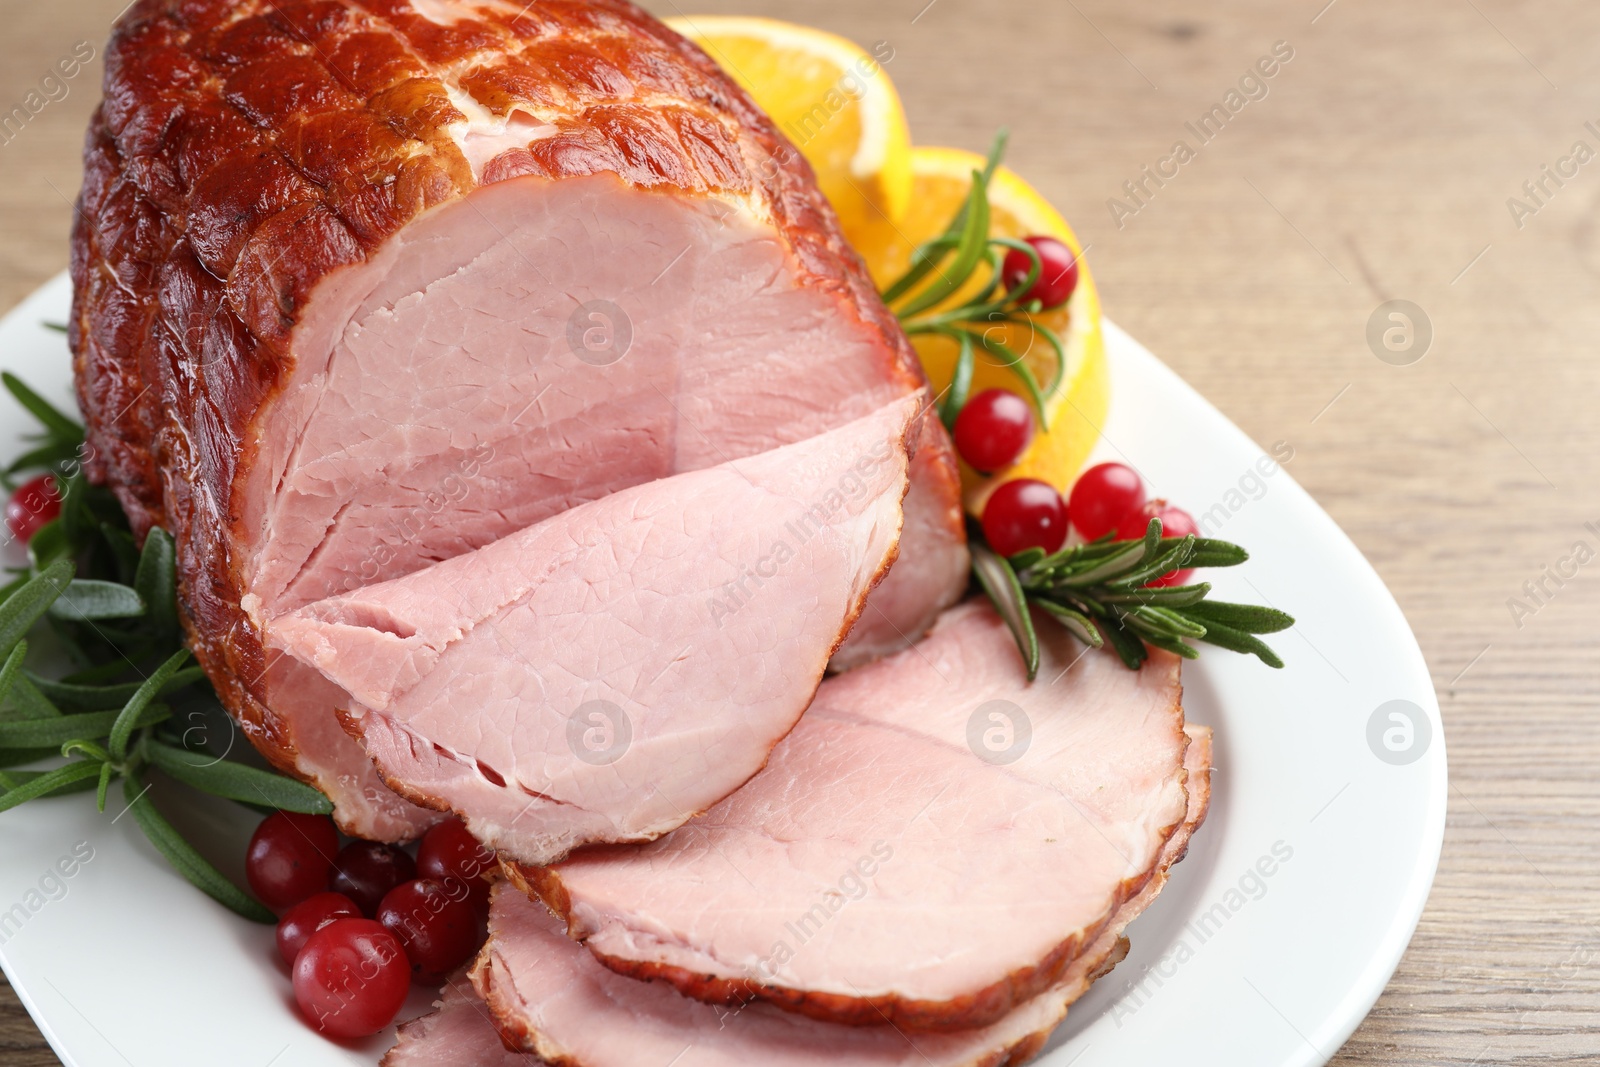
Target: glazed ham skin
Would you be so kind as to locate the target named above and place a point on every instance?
(593, 679)
(361, 285)
(554, 1000)
(885, 811)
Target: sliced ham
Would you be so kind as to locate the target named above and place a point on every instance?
(459, 1033)
(554, 1000)
(610, 672)
(840, 882)
(364, 285)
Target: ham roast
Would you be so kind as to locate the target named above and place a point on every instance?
(555, 1001)
(933, 845)
(583, 681)
(364, 285)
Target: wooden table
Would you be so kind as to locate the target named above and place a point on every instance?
(1377, 167)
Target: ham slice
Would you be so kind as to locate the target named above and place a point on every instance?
(460, 1033)
(912, 788)
(364, 285)
(611, 671)
(554, 1000)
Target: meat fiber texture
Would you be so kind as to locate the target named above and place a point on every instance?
(551, 999)
(841, 881)
(587, 680)
(460, 1033)
(363, 285)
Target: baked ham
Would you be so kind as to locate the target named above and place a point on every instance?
(933, 845)
(364, 285)
(460, 1032)
(555, 1001)
(584, 681)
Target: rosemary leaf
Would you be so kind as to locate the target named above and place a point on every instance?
(102, 786)
(968, 253)
(47, 783)
(59, 426)
(1178, 596)
(1077, 623)
(27, 703)
(1211, 553)
(49, 546)
(1126, 645)
(156, 583)
(108, 697)
(1000, 582)
(91, 599)
(24, 607)
(185, 859)
(1171, 622)
(55, 732)
(1239, 641)
(1110, 567)
(1245, 617)
(1159, 559)
(51, 454)
(235, 781)
(960, 382)
(13, 664)
(129, 718)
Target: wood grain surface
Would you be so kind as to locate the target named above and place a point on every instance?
(1377, 166)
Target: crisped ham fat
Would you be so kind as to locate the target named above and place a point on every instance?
(590, 679)
(364, 285)
(933, 845)
(550, 998)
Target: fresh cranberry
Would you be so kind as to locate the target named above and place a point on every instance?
(35, 503)
(451, 856)
(993, 429)
(1175, 522)
(309, 916)
(1102, 497)
(366, 870)
(439, 932)
(290, 858)
(1058, 272)
(1024, 514)
(351, 978)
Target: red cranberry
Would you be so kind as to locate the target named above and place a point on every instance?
(439, 932)
(35, 503)
(366, 870)
(993, 429)
(1058, 274)
(290, 858)
(351, 978)
(1102, 497)
(1175, 522)
(451, 856)
(309, 916)
(1025, 514)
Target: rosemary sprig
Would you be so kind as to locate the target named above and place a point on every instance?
(1100, 593)
(112, 609)
(943, 267)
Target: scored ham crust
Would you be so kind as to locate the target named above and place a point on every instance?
(253, 158)
(550, 999)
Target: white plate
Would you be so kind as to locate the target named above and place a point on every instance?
(1270, 944)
